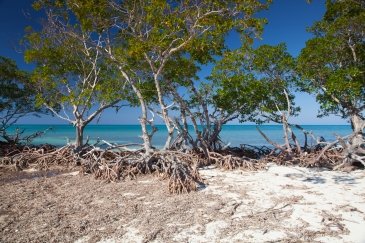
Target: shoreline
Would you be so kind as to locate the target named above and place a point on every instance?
(233, 134)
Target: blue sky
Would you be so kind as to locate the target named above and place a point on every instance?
(288, 20)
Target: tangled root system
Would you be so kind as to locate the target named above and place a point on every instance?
(231, 162)
(42, 156)
(331, 159)
(180, 169)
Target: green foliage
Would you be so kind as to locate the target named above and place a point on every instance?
(11, 82)
(140, 30)
(89, 14)
(16, 96)
(332, 64)
(251, 82)
(159, 26)
(15, 93)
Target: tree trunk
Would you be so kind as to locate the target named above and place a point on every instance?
(184, 132)
(170, 134)
(357, 141)
(213, 135)
(143, 121)
(145, 136)
(286, 136)
(354, 150)
(165, 115)
(185, 112)
(358, 126)
(79, 135)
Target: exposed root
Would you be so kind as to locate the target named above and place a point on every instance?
(345, 151)
(175, 166)
(179, 168)
(332, 159)
(182, 177)
(231, 162)
(42, 156)
(108, 172)
(112, 165)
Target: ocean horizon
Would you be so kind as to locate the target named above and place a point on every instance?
(235, 135)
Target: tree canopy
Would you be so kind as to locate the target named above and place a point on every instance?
(17, 97)
(253, 82)
(332, 63)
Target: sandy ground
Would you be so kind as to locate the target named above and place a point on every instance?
(286, 204)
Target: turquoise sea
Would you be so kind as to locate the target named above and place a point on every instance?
(121, 134)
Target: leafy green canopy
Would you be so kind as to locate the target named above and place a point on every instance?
(11, 78)
(143, 32)
(158, 26)
(17, 98)
(253, 82)
(332, 64)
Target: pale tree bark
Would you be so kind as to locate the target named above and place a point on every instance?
(356, 149)
(283, 118)
(79, 141)
(158, 63)
(286, 136)
(211, 122)
(80, 119)
(164, 108)
(185, 111)
(147, 137)
(143, 121)
(358, 126)
(165, 116)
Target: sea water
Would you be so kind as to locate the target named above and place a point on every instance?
(235, 135)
